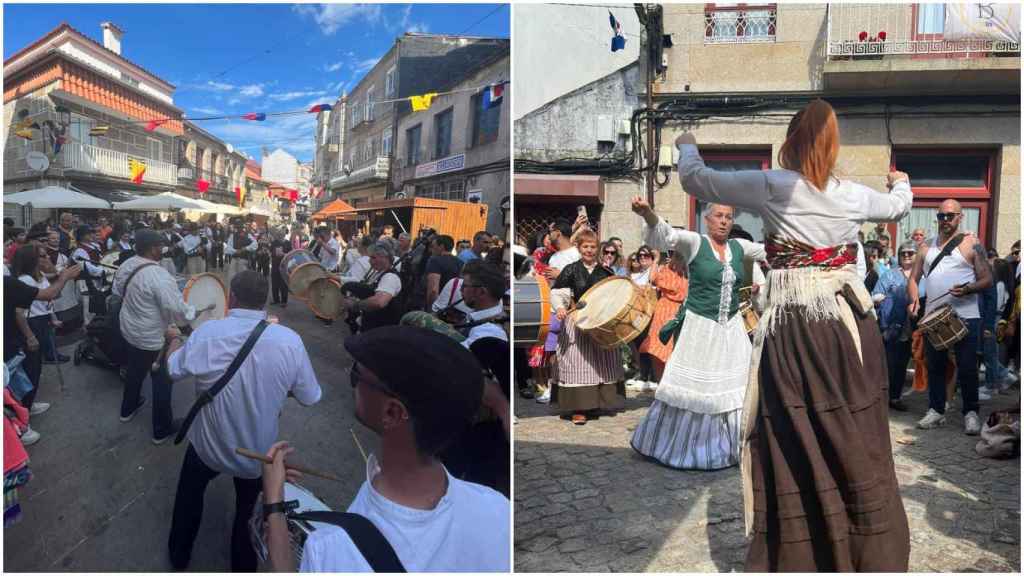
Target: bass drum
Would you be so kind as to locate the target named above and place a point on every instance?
(532, 305)
(615, 311)
(202, 290)
(298, 530)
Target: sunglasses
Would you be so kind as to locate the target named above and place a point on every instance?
(610, 252)
(904, 254)
(946, 216)
(355, 376)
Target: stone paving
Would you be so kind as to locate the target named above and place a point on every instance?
(586, 502)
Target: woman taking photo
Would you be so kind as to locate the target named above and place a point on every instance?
(820, 488)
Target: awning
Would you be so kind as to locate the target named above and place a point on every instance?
(56, 197)
(105, 193)
(580, 188)
(333, 209)
(163, 202)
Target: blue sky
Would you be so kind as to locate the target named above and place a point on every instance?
(215, 54)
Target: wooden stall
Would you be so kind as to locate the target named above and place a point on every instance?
(460, 220)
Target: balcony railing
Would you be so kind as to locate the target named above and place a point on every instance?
(871, 31)
(378, 169)
(739, 24)
(96, 160)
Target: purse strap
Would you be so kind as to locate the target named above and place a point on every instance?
(363, 533)
(207, 395)
(946, 250)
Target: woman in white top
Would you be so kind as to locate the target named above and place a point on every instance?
(820, 486)
(40, 317)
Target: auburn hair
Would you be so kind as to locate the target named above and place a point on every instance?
(585, 235)
(812, 143)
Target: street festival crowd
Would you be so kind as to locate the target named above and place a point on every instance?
(425, 325)
(783, 355)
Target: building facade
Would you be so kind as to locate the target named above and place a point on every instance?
(91, 106)
(204, 157)
(458, 148)
(330, 151)
(416, 64)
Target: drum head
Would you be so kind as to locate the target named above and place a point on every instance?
(325, 297)
(604, 301)
(201, 291)
(935, 315)
(111, 258)
(303, 276)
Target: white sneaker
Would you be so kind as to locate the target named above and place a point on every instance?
(635, 385)
(38, 408)
(972, 424)
(650, 386)
(544, 398)
(30, 437)
(931, 420)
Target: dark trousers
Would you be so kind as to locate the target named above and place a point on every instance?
(188, 514)
(279, 290)
(139, 366)
(966, 352)
(216, 257)
(897, 356)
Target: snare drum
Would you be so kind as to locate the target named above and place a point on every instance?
(298, 530)
(325, 298)
(533, 311)
(615, 311)
(299, 268)
(201, 291)
(943, 327)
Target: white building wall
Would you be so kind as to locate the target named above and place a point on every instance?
(281, 167)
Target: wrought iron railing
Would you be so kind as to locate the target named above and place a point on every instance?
(746, 23)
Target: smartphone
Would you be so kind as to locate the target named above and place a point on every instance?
(582, 211)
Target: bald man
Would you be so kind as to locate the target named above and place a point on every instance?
(954, 280)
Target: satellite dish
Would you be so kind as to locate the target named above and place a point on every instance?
(231, 149)
(400, 195)
(37, 161)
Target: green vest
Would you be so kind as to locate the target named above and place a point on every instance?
(704, 295)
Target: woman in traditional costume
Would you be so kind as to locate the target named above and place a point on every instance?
(820, 489)
(588, 375)
(694, 422)
(670, 280)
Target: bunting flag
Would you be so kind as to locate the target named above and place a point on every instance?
(321, 108)
(152, 124)
(492, 95)
(137, 168)
(203, 186)
(98, 130)
(618, 41)
(24, 128)
(258, 116)
(293, 195)
(240, 194)
(420, 103)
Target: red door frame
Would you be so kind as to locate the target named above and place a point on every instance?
(765, 156)
(969, 197)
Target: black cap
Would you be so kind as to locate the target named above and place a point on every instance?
(145, 239)
(438, 380)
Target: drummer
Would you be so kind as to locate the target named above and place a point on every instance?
(954, 280)
(194, 249)
(381, 309)
(694, 422)
(240, 247)
(124, 247)
(588, 375)
(88, 254)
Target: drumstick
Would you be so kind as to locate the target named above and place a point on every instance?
(358, 445)
(263, 458)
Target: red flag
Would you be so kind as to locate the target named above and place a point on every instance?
(293, 194)
(152, 124)
(203, 186)
(238, 193)
(321, 108)
(260, 116)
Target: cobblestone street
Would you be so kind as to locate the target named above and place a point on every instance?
(585, 501)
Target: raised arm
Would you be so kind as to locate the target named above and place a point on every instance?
(874, 206)
(659, 235)
(743, 188)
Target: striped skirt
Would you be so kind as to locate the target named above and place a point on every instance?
(587, 373)
(679, 438)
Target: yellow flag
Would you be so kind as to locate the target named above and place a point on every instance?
(25, 133)
(422, 102)
(137, 168)
(241, 195)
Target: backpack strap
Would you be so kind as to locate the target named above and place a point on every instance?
(364, 534)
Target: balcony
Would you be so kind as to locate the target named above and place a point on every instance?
(96, 160)
(919, 48)
(216, 180)
(376, 171)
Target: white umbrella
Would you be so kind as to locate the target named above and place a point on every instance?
(261, 210)
(163, 202)
(57, 197)
(216, 208)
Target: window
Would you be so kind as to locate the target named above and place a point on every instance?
(732, 161)
(963, 175)
(370, 155)
(79, 129)
(931, 19)
(369, 103)
(443, 134)
(385, 142)
(155, 148)
(737, 22)
(389, 83)
(129, 79)
(357, 115)
(486, 122)
(412, 145)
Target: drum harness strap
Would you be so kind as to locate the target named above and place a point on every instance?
(207, 395)
(363, 533)
(946, 250)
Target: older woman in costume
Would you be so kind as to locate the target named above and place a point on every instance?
(694, 422)
(820, 486)
(588, 375)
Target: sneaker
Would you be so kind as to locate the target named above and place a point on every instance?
(29, 437)
(650, 386)
(931, 420)
(544, 398)
(128, 418)
(984, 393)
(635, 385)
(168, 436)
(972, 424)
(38, 408)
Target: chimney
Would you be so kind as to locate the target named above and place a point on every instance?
(112, 37)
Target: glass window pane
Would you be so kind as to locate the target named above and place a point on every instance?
(948, 171)
(924, 217)
(931, 18)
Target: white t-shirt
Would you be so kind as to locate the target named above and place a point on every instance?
(563, 258)
(468, 531)
(487, 329)
(451, 294)
(39, 307)
(330, 254)
(390, 283)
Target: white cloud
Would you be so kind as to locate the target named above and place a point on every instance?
(333, 67)
(208, 111)
(330, 17)
(234, 101)
(252, 90)
(407, 25)
(285, 97)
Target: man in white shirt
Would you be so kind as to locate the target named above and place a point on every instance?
(150, 303)
(192, 244)
(482, 288)
(241, 246)
(417, 390)
(243, 414)
(330, 250)
(359, 260)
(380, 309)
(90, 285)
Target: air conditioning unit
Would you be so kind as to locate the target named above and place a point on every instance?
(604, 127)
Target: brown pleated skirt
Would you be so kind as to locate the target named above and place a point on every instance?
(825, 490)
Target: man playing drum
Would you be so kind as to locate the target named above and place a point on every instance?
(194, 249)
(243, 414)
(380, 309)
(695, 420)
(417, 390)
(588, 375)
(955, 276)
(241, 246)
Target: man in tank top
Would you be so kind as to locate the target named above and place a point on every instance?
(955, 281)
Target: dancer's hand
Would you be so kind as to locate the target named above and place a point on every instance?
(561, 313)
(686, 138)
(641, 207)
(896, 176)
